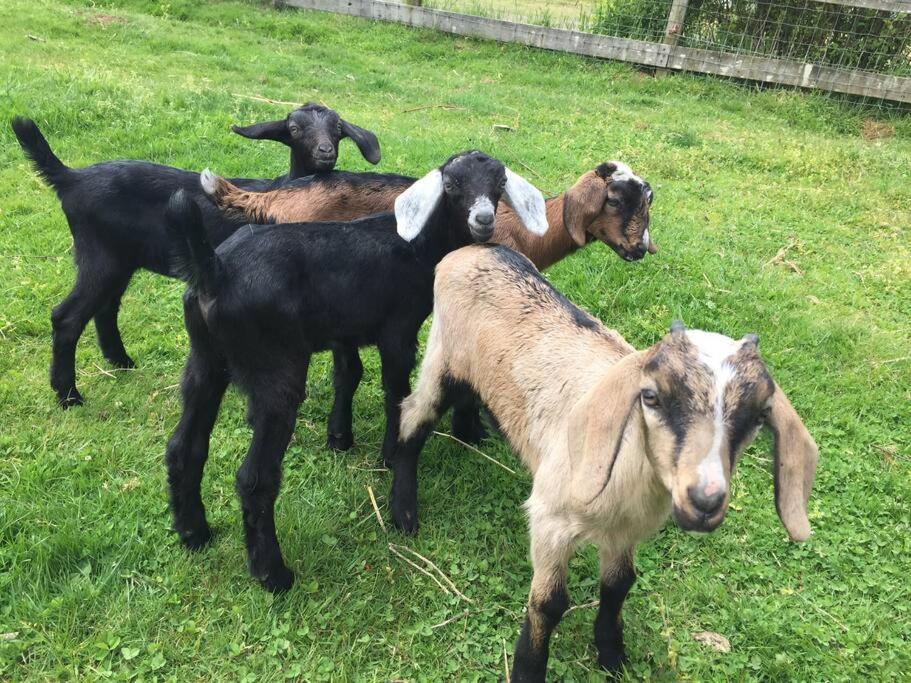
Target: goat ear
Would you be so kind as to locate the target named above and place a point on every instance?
(581, 205)
(414, 206)
(365, 141)
(527, 202)
(596, 427)
(271, 130)
(796, 456)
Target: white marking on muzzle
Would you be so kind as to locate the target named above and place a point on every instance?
(646, 240)
(481, 205)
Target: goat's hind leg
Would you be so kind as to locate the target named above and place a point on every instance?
(347, 371)
(203, 385)
(273, 411)
(94, 283)
(548, 599)
(109, 339)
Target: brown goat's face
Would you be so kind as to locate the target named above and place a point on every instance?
(704, 397)
(611, 204)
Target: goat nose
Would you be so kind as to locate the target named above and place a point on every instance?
(326, 148)
(484, 217)
(708, 504)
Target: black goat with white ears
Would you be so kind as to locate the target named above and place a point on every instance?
(271, 295)
(115, 211)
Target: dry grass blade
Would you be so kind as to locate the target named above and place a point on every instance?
(430, 564)
(593, 603)
(479, 452)
(376, 509)
(505, 661)
(259, 98)
(399, 555)
(447, 107)
(460, 615)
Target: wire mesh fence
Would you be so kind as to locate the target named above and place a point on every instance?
(854, 48)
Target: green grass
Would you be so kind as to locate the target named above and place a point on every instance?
(93, 585)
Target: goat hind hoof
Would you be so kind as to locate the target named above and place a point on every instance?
(278, 581)
(340, 441)
(197, 539)
(122, 362)
(70, 400)
(613, 662)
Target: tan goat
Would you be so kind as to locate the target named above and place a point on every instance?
(617, 439)
(609, 203)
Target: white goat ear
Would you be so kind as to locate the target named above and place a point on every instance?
(527, 201)
(414, 206)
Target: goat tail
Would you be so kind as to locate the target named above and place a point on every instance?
(39, 152)
(193, 259)
(232, 201)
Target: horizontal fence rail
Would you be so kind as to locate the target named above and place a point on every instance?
(660, 55)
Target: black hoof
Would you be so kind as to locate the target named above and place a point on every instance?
(278, 580)
(405, 519)
(472, 434)
(196, 539)
(123, 362)
(340, 442)
(70, 399)
(613, 662)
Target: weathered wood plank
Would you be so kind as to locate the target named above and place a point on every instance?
(788, 72)
(885, 5)
(764, 69)
(562, 40)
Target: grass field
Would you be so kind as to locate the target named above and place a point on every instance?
(773, 214)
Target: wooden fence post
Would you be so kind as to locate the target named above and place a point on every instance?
(675, 19)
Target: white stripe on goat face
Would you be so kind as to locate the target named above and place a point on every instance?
(714, 352)
(624, 172)
(481, 205)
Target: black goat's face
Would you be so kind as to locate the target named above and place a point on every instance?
(313, 133)
(470, 185)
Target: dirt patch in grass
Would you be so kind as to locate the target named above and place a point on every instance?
(876, 130)
(104, 20)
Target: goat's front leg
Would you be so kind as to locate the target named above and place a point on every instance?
(273, 414)
(347, 371)
(397, 358)
(547, 600)
(617, 577)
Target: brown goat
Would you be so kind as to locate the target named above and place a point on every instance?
(610, 204)
(617, 439)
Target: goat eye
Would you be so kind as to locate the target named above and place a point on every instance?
(448, 186)
(613, 202)
(650, 398)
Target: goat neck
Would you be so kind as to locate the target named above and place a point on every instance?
(553, 246)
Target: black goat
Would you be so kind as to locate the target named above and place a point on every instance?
(271, 295)
(115, 211)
